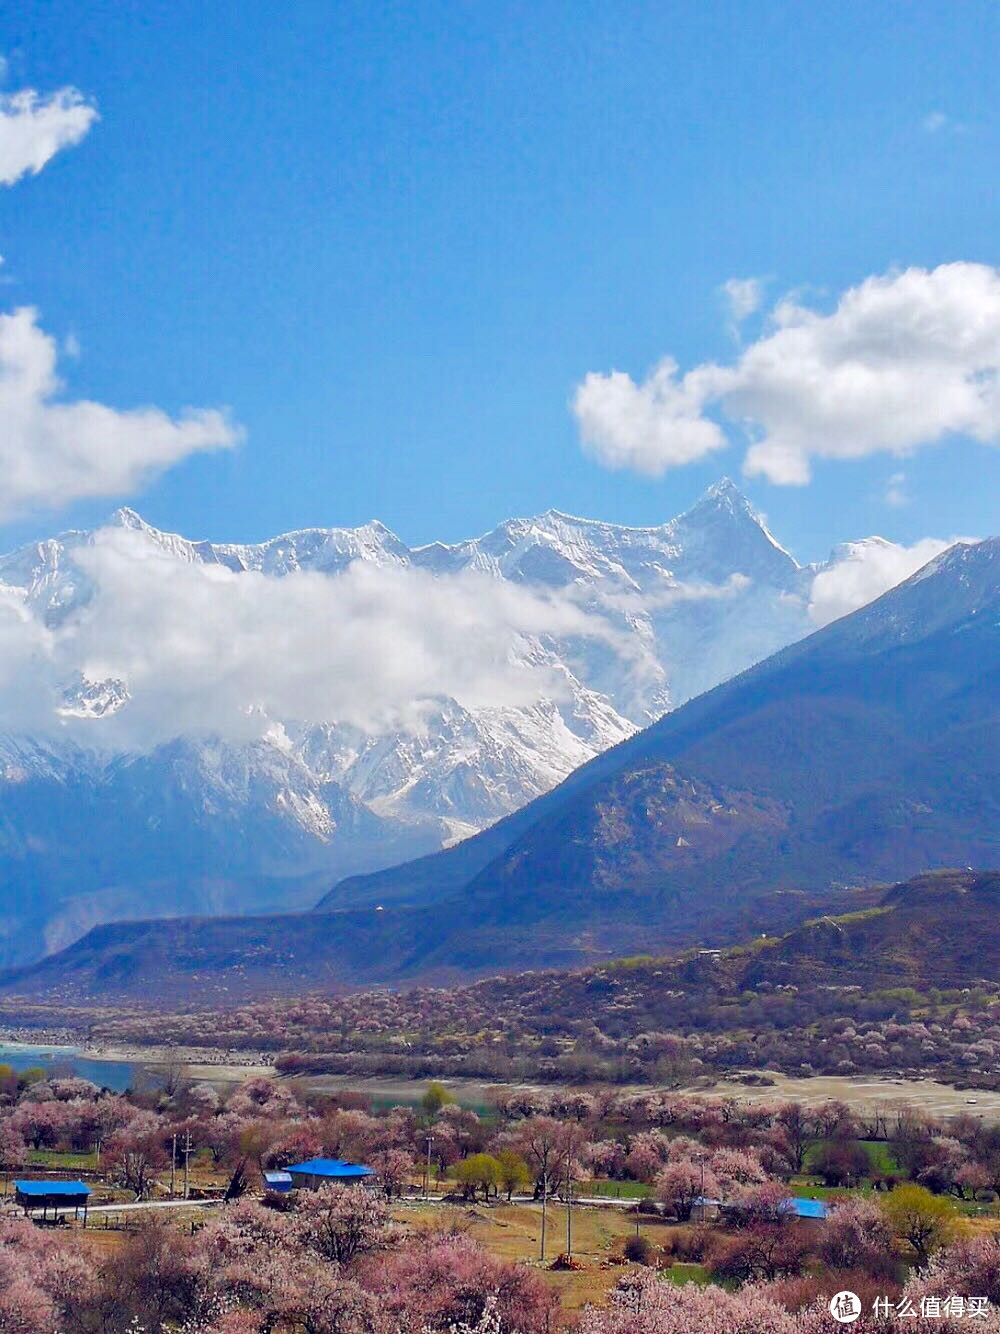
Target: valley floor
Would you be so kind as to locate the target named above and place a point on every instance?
(937, 1099)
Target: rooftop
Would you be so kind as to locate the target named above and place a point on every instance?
(807, 1208)
(67, 1188)
(330, 1167)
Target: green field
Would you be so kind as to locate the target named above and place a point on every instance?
(880, 1156)
(616, 1190)
(49, 1158)
(811, 1188)
(681, 1273)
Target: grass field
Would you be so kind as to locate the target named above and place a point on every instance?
(615, 1190)
(681, 1273)
(513, 1231)
(879, 1153)
(69, 1161)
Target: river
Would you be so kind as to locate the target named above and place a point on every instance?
(116, 1075)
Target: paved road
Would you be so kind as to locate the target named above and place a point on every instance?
(141, 1206)
(152, 1204)
(611, 1201)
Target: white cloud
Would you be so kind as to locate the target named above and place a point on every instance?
(743, 296)
(54, 452)
(904, 360)
(649, 427)
(34, 128)
(859, 572)
(206, 650)
(895, 491)
(939, 122)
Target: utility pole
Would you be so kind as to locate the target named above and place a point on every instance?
(173, 1162)
(569, 1196)
(187, 1156)
(545, 1184)
(427, 1169)
(569, 1211)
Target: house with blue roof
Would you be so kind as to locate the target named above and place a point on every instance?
(54, 1195)
(808, 1209)
(799, 1208)
(316, 1172)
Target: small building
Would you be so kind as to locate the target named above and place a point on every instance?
(316, 1172)
(278, 1181)
(55, 1195)
(808, 1211)
(798, 1208)
(705, 1209)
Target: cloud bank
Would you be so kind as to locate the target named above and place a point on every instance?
(904, 360)
(862, 571)
(33, 129)
(133, 631)
(202, 649)
(54, 452)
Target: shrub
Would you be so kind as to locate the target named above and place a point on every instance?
(645, 1304)
(639, 1249)
(762, 1252)
(857, 1235)
(841, 1162)
(926, 1221)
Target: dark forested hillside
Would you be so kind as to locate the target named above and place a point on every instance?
(908, 983)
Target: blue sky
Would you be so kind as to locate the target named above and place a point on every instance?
(392, 240)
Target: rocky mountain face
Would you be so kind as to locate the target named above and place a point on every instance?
(90, 832)
(860, 756)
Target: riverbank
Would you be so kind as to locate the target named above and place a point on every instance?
(116, 1066)
(215, 1066)
(200, 1063)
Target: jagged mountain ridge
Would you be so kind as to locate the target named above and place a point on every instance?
(88, 834)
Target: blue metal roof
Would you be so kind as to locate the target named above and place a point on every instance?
(807, 1208)
(67, 1188)
(330, 1167)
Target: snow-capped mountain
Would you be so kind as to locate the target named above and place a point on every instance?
(91, 828)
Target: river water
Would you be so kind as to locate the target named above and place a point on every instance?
(116, 1075)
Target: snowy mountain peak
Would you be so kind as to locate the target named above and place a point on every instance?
(682, 606)
(85, 698)
(123, 517)
(725, 490)
(722, 533)
(724, 502)
(858, 549)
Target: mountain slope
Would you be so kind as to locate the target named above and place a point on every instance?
(876, 736)
(938, 930)
(864, 754)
